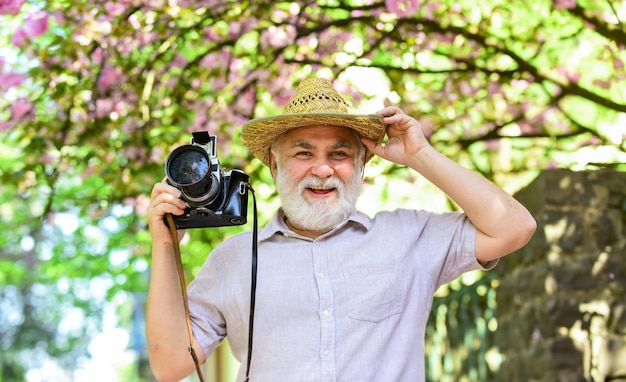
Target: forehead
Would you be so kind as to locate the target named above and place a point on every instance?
(322, 134)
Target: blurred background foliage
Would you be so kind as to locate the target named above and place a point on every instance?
(96, 94)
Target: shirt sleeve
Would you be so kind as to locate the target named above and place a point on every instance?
(205, 296)
(453, 237)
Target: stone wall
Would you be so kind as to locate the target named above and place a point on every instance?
(562, 299)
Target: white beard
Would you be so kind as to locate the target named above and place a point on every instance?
(319, 215)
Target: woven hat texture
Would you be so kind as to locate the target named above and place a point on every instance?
(316, 102)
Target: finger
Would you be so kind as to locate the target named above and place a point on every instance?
(171, 208)
(390, 111)
(167, 198)
(373, 146)
(159, 209)
(161, 188)
(166, 194)
(398, 122)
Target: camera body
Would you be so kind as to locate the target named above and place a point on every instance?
(214, 198)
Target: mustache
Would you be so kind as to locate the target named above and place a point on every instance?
(320, 184)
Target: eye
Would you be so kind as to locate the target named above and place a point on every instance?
(338, 154)
(303, 154)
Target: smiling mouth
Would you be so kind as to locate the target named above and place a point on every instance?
(321, 191)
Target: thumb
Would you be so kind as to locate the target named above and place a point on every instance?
(373, 146)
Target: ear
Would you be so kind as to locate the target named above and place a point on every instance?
(273, 165)
(363, 160)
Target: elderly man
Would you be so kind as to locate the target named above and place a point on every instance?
(340, 296)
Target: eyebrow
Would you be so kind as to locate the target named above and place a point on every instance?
(307, 145)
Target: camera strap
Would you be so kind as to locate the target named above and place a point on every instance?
(183, 288)
(183, 291)
(252, 283)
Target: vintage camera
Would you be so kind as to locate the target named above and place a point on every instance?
(214, 198)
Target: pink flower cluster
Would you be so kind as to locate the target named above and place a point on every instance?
(403, 8)
(108, 77)
(35, 25)
(8, 79)
(565, 4)
(10, 7)
(21, 110)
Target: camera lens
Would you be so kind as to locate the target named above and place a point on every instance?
(189, 169)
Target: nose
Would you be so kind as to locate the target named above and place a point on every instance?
(322, 170)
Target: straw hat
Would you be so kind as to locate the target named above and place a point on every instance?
(316, 102)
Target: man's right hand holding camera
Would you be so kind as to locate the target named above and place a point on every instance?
(164, 199)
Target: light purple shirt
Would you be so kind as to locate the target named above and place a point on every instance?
(351, 305)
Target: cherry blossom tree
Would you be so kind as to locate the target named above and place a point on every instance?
(95, 95)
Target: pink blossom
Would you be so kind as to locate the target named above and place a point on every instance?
(215, 60)
(445, 38)
(234, 30)
(565, 4)
(493, 88)
(493, 144)
(552, 165)
(211, 35)
(402, 8)
(145, 38)
(179, 61)
(97, 56)
(115, 8)
(525, 127)
(277, 37)
(19, 38)
(134, 22)
(108, 77)
(36, 24)
(104, 107)
(8, 80)
(10, 7)
(156, 155)
(604, 84)
(245, 103)
(200, 121)
(521, 84)
(573, 77)
(21, 108)
(465, 88)
(47, 158)
(4, 126)
(141, 205)
(430, 11)
(59, 17)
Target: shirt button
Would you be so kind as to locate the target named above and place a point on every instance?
(321, 275)
(325, 312)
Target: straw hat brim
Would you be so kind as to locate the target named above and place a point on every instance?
(259, 134)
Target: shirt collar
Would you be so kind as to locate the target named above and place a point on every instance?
(278, 226)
